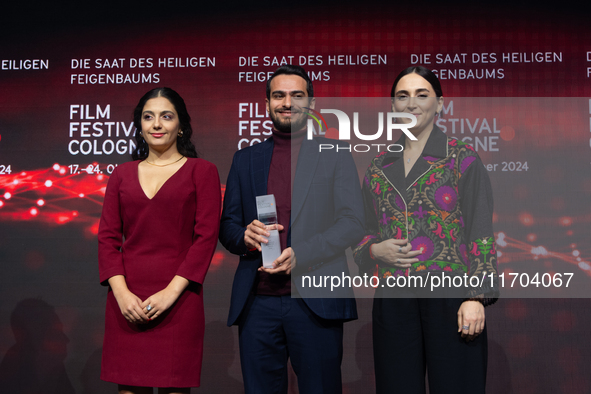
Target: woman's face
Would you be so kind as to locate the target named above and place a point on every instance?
(415, 95)
(160, 124)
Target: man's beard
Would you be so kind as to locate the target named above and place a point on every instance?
(291, 125)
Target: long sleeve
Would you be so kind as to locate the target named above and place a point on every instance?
(372, 234)
(232, 225)
(206, 227)
(477, 208)
(110, 234)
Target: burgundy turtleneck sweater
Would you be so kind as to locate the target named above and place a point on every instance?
(286, 148)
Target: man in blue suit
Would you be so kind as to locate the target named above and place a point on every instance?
(318, 221)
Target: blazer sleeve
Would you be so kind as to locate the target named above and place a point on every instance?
(110, 234)
(477, 209)
(207, 221)
(232, 225)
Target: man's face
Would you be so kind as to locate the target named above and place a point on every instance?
(289, 95)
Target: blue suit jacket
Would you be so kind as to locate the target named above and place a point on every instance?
(327, 217)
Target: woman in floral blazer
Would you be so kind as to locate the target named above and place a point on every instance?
(429, 216)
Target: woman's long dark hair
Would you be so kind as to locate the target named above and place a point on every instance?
(183, 144)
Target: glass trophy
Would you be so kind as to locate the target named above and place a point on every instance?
(267, 214)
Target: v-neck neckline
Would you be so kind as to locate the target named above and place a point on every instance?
(137, 177)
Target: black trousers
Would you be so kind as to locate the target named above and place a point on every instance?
(275, 329)
(412, 336)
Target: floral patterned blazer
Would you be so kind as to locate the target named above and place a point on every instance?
(444, 207)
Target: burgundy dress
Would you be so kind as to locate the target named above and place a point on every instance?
(174, 233)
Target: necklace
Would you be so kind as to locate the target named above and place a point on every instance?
(410, 156)
(164, 165)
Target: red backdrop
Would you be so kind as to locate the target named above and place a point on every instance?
(71, 77)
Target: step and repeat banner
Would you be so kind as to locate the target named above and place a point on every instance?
(516, 86)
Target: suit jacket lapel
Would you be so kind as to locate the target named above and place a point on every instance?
(306, 167)
(260, 162)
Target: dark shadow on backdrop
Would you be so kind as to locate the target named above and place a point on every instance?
(364, 360)
(35, 364)
(498, 362)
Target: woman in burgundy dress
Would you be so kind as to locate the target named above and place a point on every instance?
(157, 235)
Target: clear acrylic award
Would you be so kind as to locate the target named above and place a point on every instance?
(267, 214)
